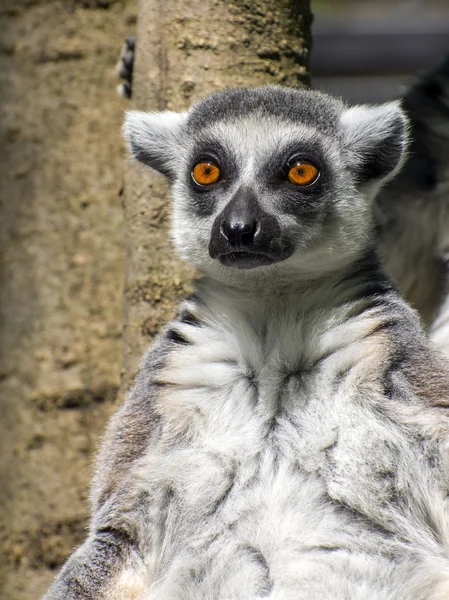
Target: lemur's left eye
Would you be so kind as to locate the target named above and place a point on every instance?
(302, 173)
(205, 173)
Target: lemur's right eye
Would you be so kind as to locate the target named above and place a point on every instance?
(205, 173)
(302, 173)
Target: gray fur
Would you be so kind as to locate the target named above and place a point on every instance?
(287, 435)
(413, 209)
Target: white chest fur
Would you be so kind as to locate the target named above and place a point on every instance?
(273, 476)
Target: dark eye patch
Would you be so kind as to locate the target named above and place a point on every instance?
(275, 169)
(205, 198)
(304, 202)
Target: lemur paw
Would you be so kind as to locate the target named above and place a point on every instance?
(125, 67)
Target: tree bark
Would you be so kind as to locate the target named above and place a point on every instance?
(61, 272)
(184, 51)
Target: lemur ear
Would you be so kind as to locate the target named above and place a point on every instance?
(376, 139)
(154, 138)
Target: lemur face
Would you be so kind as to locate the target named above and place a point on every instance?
(271, 179)
(259, 186)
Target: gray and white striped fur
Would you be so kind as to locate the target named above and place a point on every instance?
(287, 435)
(413, 209)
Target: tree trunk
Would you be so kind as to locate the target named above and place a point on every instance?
(186, 49)
(61, 272)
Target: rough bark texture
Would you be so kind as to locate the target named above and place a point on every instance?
(185, 50)
(61, 272)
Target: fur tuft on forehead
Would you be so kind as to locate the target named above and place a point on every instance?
(311, 107)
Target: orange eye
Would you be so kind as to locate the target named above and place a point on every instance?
(205, 173)
(303, 173)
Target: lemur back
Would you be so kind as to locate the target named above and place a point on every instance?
(412, 210)
(286, 437)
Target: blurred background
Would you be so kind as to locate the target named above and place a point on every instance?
(62, 261)
(368, 50)
(62, 242)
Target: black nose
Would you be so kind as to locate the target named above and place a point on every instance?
(239, 234)
(246, 236)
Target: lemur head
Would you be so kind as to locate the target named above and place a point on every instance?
(270, 179)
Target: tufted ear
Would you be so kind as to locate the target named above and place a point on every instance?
(154, 138)
(376, 139)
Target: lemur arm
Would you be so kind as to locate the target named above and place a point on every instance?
(88, 573)
(94, 571)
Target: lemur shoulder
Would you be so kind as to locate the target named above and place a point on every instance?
(287, 435)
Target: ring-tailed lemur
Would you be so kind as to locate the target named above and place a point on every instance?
(287, 435)
(411, 210)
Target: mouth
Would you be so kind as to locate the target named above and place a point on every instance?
(246, 260)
